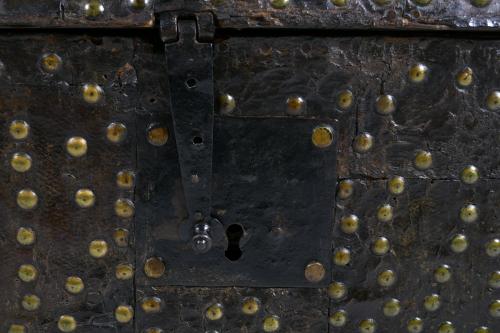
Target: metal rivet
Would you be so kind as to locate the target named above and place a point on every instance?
(446, 327)
(279, 4)
(154, 267)
(250, 306)
(469, 175)
(341, 256)
(30, 302)
(480, 3)
(322, 136)
(432, 302)
(74, 285)
(157, 135)
(422, 2)
(493, 248)
(346, 189)
(459, 243)
(339, 3)
(295, 105)
(92, 93)
(493, 101)
(392, 307)
(27, 273)
(151, 304)
(98, 248)
(423, 160)
(338, 318)
(25, 236)
(93, 8)
(138, 4)
(66, 323)
(19, 129)
(271, 323)
(124, 208)
(494, 309)
(349, 224)
(381, 246)
(469, 213)
(494, 280)
(386, 278)
(51, 62)
(385, 104)
(345, 97)
(314, 272)
(442, 274)
(124, 271)
(27, 199)
(214, 312)
(153, 330)
(125, 179)
(20, 162)
(396, 185)
(465, 77)
(418, 73)
(363, 143)
(227, 103)
(415, 325)
(385, 213)
(482, 329)
(120, 237)
(76, 146)
(16, 328)
(337, 290)
(124, 314)
(368, 325)
(116, 132)
(84, 198)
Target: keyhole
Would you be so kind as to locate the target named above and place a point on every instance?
(234, 233)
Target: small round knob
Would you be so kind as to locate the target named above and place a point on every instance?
(201, 241)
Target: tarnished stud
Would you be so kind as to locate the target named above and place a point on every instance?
(151, 304)
(495, 309)
(396, 185)
(339, 3)
(271, 324)
(368, 325)
(465, 77)
(93, 8)
(153, 330)
(442, 274)
(21, 162)
(469, 175)
(92, 93)
(459, 243)
(295, 105)
(469, 213)
(16, 328)
(482, 329)
(385, 213)
(125, 179)
(418, 73)
(124, 208)
(214, 312)
(385, 104)
(446, 327)
(51, 62)
(74, 285)
(154, 267)
(280, 4)
(84, 198)
(124, 271)
(120, 236)
(363, 143)
(138, 4)
(494, 280)
(66, 323)
(341, 256)
(415, 325)
(338, 318)
(30, 302)
(227, 103)
(25, 236)
(432, 302)
(423, 160)
(250, 306)
(116, 132)
(337, 290)
(322, 136)
(346, 189)
(392, 307)
(314, 272)
(157, 135)
(386, 278)
(27, 199)
(422, 2)
(124, 314)
(493, 247)
(493, 101)
(27, 273)
(345, 97)
(19, 129)
(349, 224)
(76, 146)
(480, 3)
(98, 248)
(381, 246)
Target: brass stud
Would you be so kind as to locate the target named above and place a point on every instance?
(363, 143)
(345, 98)
(98, 248)
(465, 77)
(396, 185)
(341, 256)
(30, 302)
(459, 243)
(74, 285)
(381, 246)
(432, 302)
(157, 135)
(418, 73)
(250, 306)
(295, 105)
(27, 273)
(495, 309)
(442, 274)
(346, 189)
(19, 129)
(314, 272)
(422, 2)
(84, 198)
(125, 179)
(280, 4)
(339, 3)
(337, 290)
(124, 208)
(493, 248)
(66, 323)
(349, 224)
(493, 101)
(214, 312)
(386, 278)
(423, 160)
(16, 328)
(116, 132)
(124, 314)
(368, 325)
(392, 307)
(469, 213)
(480, 3)
(271, 324)
(227, 103)
(322, 136)
(138, 4)
(153, 330)
(92, 93)
(469, 175)
(51, 62)
(124, 271)
(151, 305)
(154, 267)
(385, 213)
(338, 318)
(27, 199)
(21, 162)
(494, 280)
(76, 146)
(93, 8)
(482, 329)
(120, 236)
(446, 327)
(385, 104)
(25, 236)
(415, 325)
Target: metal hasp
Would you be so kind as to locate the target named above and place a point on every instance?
(189, 53)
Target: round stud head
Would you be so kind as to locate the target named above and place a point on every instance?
(493, 248)
(250, 306)
(381, 246)
(27, 199)
(338, 318)
(157, 135)
(422, 2)
(345, 98)
(418, 73)
(349, 224)
(396, 185)
(138, 4)
(25, 236)
(480, 3)
(459, 243)
(341, 256)
(392, 307)
(154, 267)
(345, 189)
(74, 285)
(66, 323)
(120, 236)
(493, 101)
(214, 312)
(465, 77)
(469, 213)
(30, 302)
(124, 314)
(227, 103)
(432, 302)
(271, 324)
(337, 290)
(367, 325)
(415, 325)
(125, 179)
(494, 280)
(92, 93)
(322, 136)
(153, 330)
(295, 105)
(482, 329)
(20, 162)
(84, 198)
(19, 129)
(124, 208)
(16, 328)
(280, 4)
(494, 309)
(385, 213)
(446, 327)
(151, 304)
(98, 248)
(385, 104)
(423, 160)
(51, 63)
(363, 143)
(442, 274)
(469, 175)
(116, 132)
(386, 278)
(76, 146)
(314, 272)
(124, 271)
(27, 273)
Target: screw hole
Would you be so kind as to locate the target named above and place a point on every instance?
(234, 233)
(197, 140)
(191, 83)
